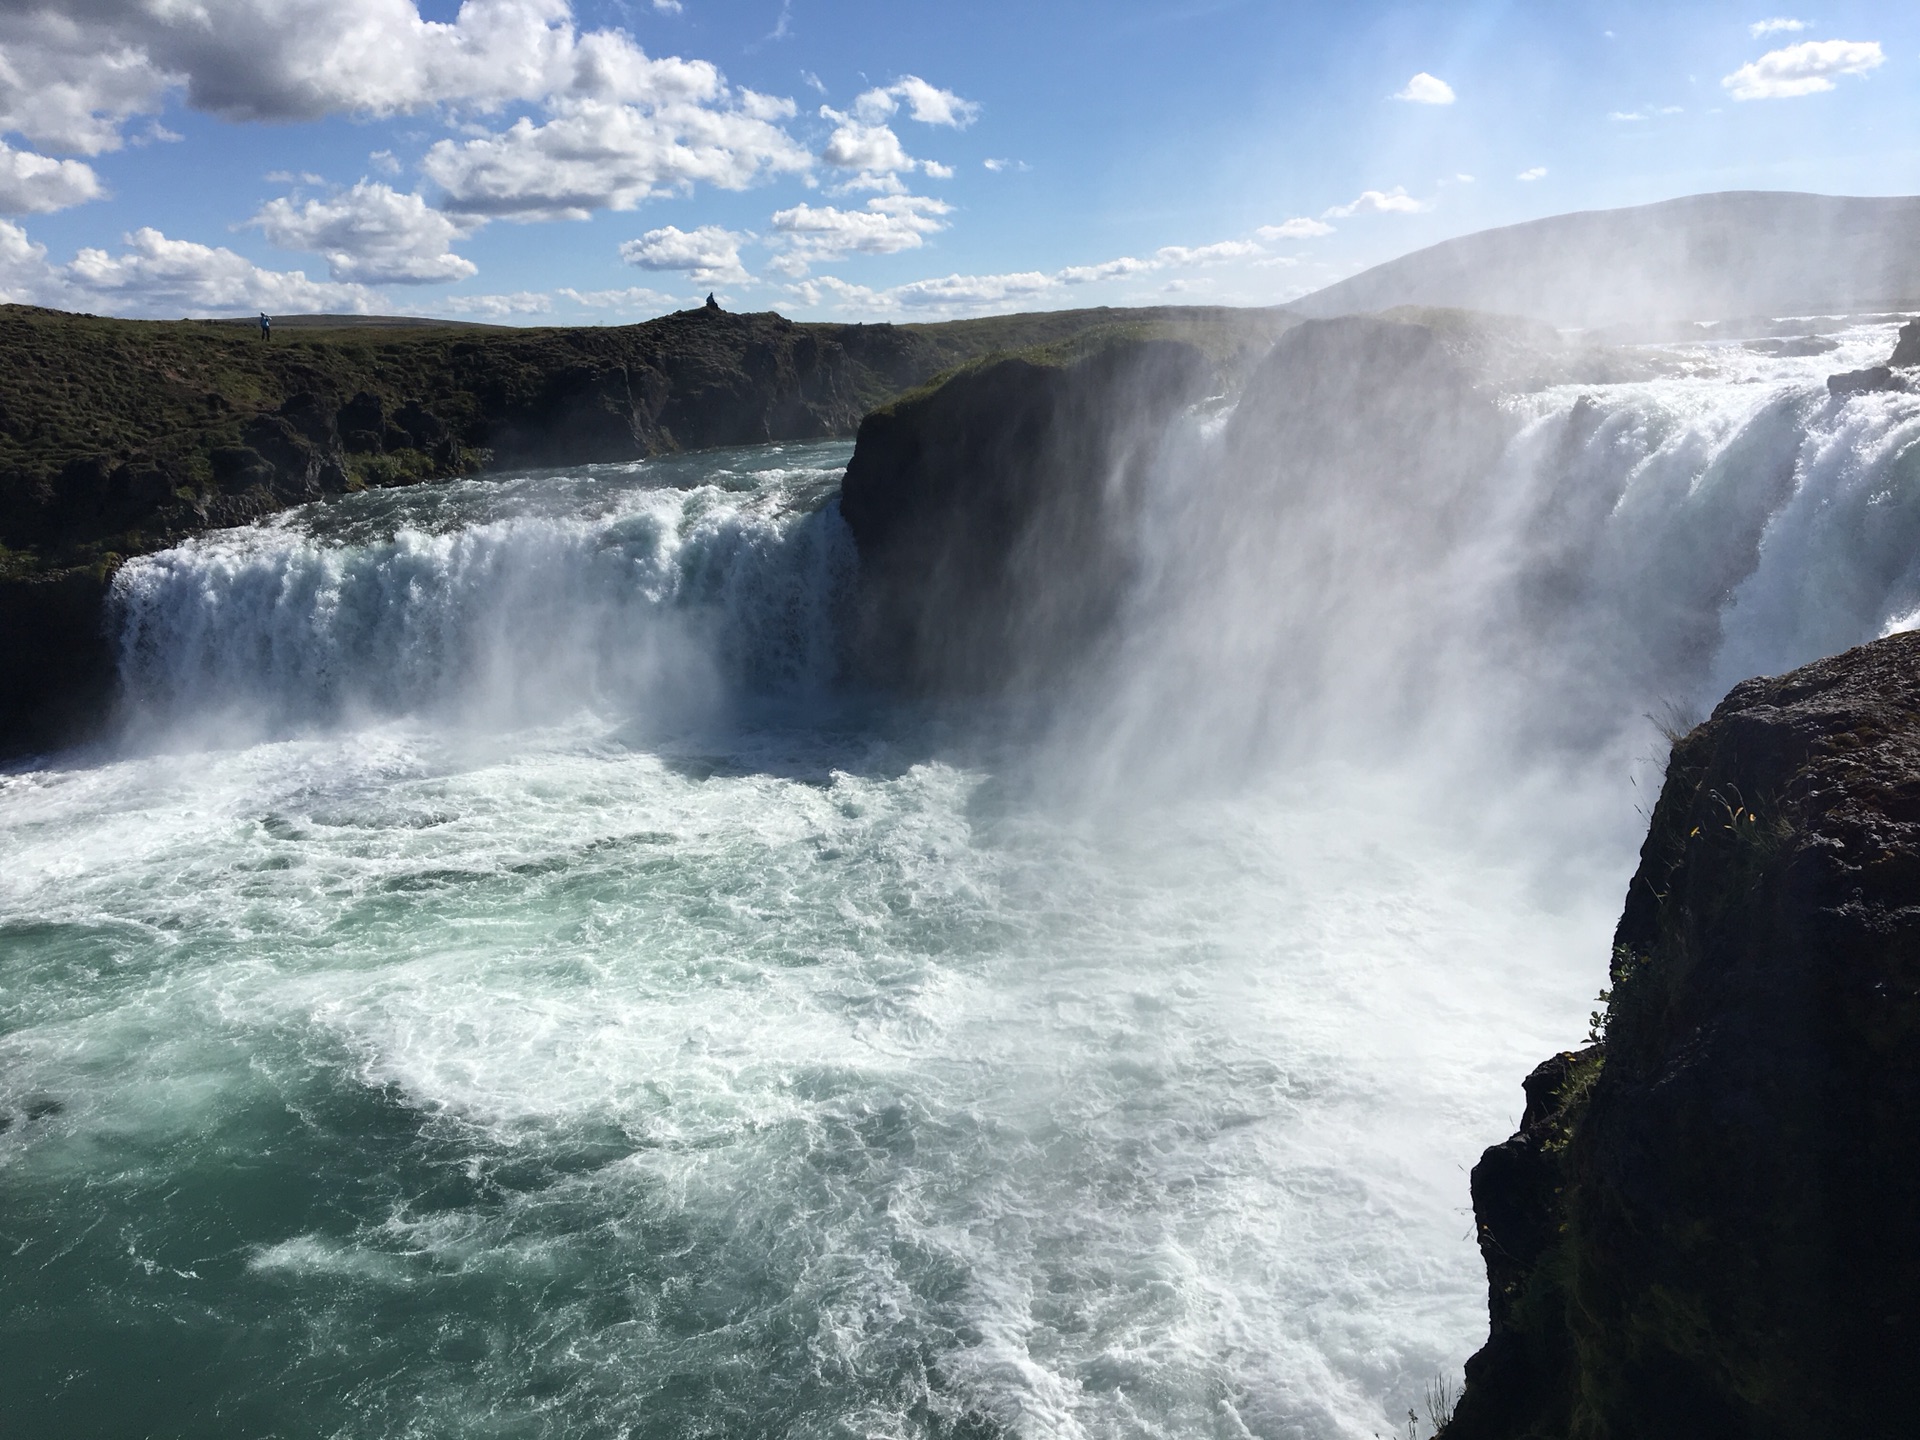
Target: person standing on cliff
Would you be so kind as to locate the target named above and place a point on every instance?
(266, 326)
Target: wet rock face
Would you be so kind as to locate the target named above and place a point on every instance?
(994, 515)
(56, 656)
(1735, 1204)
(1896, 375)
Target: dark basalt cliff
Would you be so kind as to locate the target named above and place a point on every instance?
(997, 515)
(1898, 374)
(993, 514)
(122, 437)
(1708, 1224)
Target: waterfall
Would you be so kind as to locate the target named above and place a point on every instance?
(466, 603)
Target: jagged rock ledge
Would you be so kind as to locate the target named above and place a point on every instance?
(1708, 1224)
(122, 437)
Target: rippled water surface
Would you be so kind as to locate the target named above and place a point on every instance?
(508, 983)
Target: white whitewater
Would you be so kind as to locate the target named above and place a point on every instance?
(506, 986)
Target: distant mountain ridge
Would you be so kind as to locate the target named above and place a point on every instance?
(1704, 257)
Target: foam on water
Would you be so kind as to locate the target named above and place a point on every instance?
(568, 1090)
(509, 992)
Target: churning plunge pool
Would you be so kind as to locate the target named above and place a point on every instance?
(506, 984)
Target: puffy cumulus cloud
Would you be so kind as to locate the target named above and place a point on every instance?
(928, 104)
(156, 275)
(1780, 24)
(1183, 255)
(632, 297)
(1123, 268)
(33, 184)
(620, 125)
(709, 255)
(25, 276)
(302, 59)
(969, 292)
(69, 83)
(1425, 89)
(1301, 227)
(950, 294)
(873, 152)
(500, 307)
(1538, 172)
(1804, 69)
(597, 155)
(1378, 202)
(854, 146)
(816, 234)
(373, 234)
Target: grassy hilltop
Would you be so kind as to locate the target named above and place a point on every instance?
(122, 436)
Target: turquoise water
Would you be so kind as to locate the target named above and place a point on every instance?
(508, 982)
(393, 1046)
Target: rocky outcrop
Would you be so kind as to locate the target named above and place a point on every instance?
(1897, 375)
(55, 656)
(994, 514)
(1709, 1223)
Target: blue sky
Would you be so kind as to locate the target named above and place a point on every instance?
(605, 160)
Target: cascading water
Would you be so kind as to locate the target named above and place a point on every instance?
(500, 602)
(506, 987)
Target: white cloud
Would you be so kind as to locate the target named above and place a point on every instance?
(823, 233)
(1184, 255)
(1122, 269)
(668, 7)
(813, 82)
(1776, 26)
(597, 155)
(709, 255)
(156, 275)
(972, 291)
(1804, 69)
(1301, 227)
(811, 293)
(928, 104)
(949, 294)
(385, 162)
(25, 276)
(872, 148)
(634, 297)
(621, 125)
(33, 184)
(1538, 172)
(499, 307)
(70, 85)
(1425, 89)
(1378, 202)
(373, 234)
(1625, 115)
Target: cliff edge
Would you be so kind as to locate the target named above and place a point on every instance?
(1708, 1224)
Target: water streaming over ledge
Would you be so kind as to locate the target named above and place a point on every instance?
(507, 986)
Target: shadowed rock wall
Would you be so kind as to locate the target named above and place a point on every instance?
(1709, 1224)
(995, 515)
